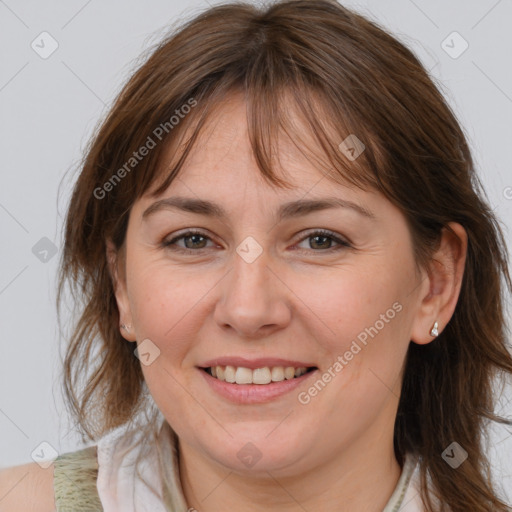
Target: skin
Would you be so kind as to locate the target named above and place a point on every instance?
(300, 299)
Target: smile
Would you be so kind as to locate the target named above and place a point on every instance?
(266, 375)
(266, 381)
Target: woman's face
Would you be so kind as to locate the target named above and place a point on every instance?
(260, 288)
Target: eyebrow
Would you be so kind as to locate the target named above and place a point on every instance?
(287, 210)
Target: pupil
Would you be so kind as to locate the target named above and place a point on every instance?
(192, 237)
(321, 237)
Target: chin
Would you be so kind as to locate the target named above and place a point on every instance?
(257, 452)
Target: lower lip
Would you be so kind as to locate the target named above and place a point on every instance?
(254, 393)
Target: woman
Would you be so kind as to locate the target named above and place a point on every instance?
(293, 288)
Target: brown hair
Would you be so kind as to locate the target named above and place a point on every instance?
(344, 75)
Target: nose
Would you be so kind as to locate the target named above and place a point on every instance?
(254, 300)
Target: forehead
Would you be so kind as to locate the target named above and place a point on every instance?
(220, 176)
(222, 156)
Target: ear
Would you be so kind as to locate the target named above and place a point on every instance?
(442, 284)
(116, 264)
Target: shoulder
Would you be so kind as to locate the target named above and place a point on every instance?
(68, 483)
(27, 487)
(75, 479)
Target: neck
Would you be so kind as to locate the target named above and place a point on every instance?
(363, 477)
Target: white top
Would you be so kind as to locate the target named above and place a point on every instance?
(120, 489)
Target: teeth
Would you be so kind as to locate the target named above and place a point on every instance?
(261, 376)
(266, 375)
(289, 372)
(243, 376)
(229, 374)
(277, 374)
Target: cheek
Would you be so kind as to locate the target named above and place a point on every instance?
(162, 301)
(364, 324)
(348, 303)
(155, 295)
(167, 303)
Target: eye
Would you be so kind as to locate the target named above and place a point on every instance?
(193, 240)
(322, 241)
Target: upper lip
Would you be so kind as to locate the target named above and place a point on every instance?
(254, 363)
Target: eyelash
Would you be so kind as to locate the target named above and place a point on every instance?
(343, 244)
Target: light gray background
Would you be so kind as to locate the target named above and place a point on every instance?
(48, 108)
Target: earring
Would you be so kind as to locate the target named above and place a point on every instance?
(434, 331)
(126, 328)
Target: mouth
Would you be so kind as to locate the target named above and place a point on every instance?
(265, 375)
(245, 381)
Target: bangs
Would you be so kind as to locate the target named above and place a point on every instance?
(337, 146)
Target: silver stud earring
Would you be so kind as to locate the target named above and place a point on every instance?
(434, 332)
(126, 328)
